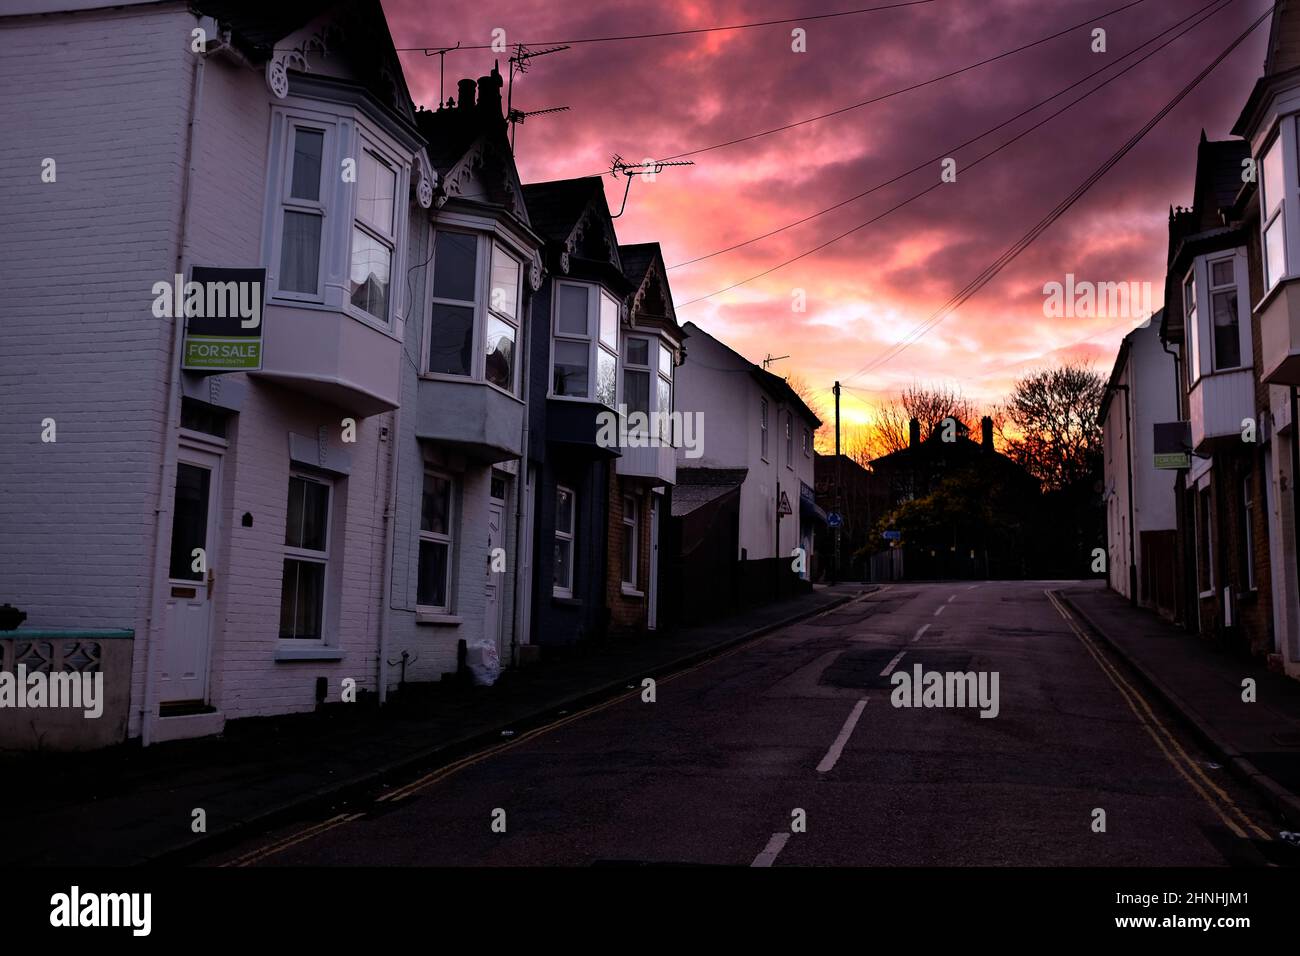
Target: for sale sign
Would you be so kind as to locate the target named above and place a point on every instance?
(223, 317)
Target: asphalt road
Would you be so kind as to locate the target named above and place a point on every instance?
(732, 755)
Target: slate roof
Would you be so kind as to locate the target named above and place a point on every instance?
(697, 487)
(554, 207)
(636, 259)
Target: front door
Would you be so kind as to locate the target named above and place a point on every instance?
(191, 575)
(496, 539)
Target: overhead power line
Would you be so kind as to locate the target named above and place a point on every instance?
(973, 163)
(1016, 248)
(678, 33)
(948, 152)
(907, 89)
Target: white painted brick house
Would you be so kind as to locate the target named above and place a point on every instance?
(166, 159)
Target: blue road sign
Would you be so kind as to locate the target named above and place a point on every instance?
(893, 536)
(833, 520)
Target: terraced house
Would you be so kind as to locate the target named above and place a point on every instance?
(204, 515)
(1231, 323)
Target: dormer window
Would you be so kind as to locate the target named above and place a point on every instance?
(586, 339)
(476, 299)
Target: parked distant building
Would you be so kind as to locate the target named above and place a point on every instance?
(1140, 515)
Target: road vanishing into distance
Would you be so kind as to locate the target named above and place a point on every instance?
(788, 751)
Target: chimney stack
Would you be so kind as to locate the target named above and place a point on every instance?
(465, 94)
(913, 433)
(489, 95)
(986, 433)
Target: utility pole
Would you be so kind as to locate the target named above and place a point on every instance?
(835, 574)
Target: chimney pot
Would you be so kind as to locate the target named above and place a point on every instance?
(465, 94)
(986, 433)
(913, 433)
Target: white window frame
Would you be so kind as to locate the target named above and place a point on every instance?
(592, 339)
(789, 440)
(1192, 331)
(289, 203)
(668, 353)
(1211, 291)
(449, 539)
(1205, 548)
(639, 368)
(310, 556)
(570, 535)
(1284, 144)
(486, 244)
(387, 239)
(632, 532)
(348, 132)
(762, 428)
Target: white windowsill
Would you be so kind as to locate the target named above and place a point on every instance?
(438, 619)
(629, 591)
(317, 653)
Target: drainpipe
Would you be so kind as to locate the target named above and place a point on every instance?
(390, 522)
(167, 475)
(1180, 492)
(521, 494)
(1295, 491)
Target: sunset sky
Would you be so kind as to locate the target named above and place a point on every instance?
(663, 96)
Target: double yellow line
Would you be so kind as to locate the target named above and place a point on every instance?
(1223, 805)
(442, 773)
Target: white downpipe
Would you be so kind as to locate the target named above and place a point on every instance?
(171, 434)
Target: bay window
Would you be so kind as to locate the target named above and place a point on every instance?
(433, 587)
(337, 198)
(476, 285)
(586, 340)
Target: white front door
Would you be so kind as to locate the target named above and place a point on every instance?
(191, 575)
(652, 597)
(496, 539)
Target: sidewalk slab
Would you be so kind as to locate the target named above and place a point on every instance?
(1260, 741)
(130, 805)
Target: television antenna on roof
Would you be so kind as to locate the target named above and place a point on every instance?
(650, 167)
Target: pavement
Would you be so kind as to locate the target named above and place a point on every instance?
(130, 805)
(1259, 741)
(796, 749)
